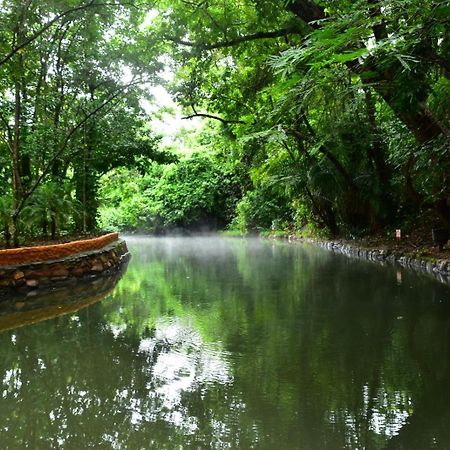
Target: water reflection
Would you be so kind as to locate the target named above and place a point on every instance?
(181, 363)
(18, 310)
(213, 343)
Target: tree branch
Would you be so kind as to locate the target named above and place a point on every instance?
(210, 116)
(236, 41)
(308, 11)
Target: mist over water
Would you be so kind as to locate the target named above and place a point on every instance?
(210, 342)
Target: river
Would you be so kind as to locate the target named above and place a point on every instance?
(215, 343)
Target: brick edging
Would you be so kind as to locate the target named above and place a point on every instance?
(25, 255)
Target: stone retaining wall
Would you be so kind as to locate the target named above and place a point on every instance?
(108, 255)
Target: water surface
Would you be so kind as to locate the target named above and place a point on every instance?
(228, 343)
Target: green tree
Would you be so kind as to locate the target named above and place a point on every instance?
(195, 193)
(59, 79)
(347, 79)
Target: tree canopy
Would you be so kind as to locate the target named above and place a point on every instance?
(332, 113)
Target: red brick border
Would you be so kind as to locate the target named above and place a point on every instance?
(25, 255)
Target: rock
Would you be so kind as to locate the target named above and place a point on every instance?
(19, 282)
(442, 266)
(62, 278)
(18, 275)
(39, 273)
(98, 267)
(32, 283)
(78, 272)
(60, 272)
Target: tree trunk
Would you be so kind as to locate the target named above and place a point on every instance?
(442, 208)
(25, 169)
(15, 155)
(307, 11)
(44, 225)
(15, 230)
(332, 159)
(85, 185)
(376, 150)
(53, 226)
(417, 117)
(7, 235)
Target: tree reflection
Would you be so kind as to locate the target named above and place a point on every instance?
(231, 344)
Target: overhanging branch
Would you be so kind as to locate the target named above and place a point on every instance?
(239, 40)
(211, 116)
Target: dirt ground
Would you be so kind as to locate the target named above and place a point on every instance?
(418, 242)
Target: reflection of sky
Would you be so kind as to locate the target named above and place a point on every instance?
(390, 414)
(184, 363)
(386, 419)
(12, 382)
(179, 362)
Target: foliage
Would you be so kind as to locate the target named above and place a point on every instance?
(194, 193)
(330, 113)
(261, 209)
(343, 106)
(70, 100)
(52, 209)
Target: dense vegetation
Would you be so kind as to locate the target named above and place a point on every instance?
(330, 113)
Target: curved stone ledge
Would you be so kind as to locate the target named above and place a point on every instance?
(88, 264)
(26, 255)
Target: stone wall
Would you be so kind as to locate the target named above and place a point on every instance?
(104, 255)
